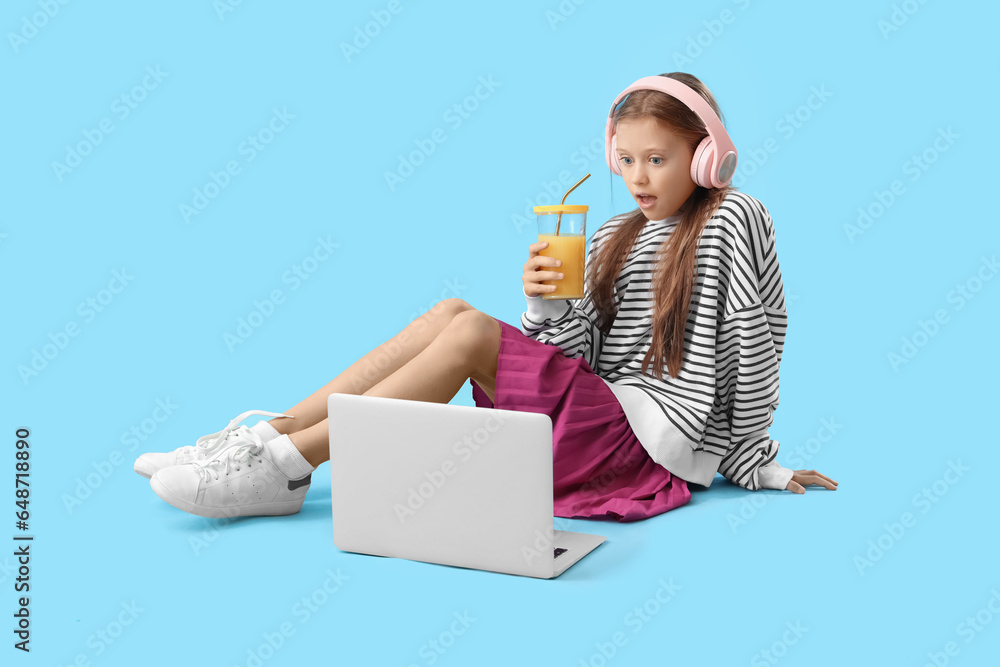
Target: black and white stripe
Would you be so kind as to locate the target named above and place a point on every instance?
(722, 401)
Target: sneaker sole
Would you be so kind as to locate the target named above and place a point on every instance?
(264, 509)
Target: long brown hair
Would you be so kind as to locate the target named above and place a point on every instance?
(673, 274)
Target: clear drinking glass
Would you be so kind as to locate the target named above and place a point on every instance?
(569, 246)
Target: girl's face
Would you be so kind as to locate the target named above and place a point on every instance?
(655, 162)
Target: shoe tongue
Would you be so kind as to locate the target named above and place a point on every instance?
(230, 435)
(243, 450)
(227, 447)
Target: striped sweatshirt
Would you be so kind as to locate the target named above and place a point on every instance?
(715, 415)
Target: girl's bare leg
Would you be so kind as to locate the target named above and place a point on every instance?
(375, 366)
(466, 348)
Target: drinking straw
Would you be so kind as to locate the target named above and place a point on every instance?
(559, 219)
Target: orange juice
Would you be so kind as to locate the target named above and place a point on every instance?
(569, 248)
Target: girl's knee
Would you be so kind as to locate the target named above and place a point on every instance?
(450, 307)
(473, 329)
(474, 337)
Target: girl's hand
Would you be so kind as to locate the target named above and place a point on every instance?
(533, 276)
(803, 478)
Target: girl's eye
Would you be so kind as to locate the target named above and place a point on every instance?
(656, 158)
(623, 159)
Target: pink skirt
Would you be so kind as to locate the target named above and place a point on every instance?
(600, 470)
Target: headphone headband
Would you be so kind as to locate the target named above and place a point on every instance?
(714, 160)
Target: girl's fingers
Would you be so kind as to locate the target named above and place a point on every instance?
(824, 477)
(818, 479)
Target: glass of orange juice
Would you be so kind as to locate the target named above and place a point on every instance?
(568, 246)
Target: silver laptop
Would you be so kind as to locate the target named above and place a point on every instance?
(447, 484)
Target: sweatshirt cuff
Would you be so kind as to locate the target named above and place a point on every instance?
(774, 476)
(539, 309)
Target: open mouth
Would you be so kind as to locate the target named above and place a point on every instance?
(645, 200)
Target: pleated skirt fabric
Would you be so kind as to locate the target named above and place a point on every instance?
(600, 470)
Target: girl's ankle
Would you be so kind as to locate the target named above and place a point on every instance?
(283, 425)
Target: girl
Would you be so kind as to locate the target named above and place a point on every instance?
(664, 374)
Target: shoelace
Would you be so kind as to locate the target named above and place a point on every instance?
(247, 453)
(210, 442)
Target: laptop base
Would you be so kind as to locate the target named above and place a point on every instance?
(576, 545)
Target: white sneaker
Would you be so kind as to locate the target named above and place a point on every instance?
(251, 479)
(204, 448)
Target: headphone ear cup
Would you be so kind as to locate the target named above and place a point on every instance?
(614, 155)
(701, 163)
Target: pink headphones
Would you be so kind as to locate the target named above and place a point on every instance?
(714, 159)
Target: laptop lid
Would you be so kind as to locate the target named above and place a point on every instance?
(442, 483)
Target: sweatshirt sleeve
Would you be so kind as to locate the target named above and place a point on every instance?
(568, 324)
(749, 346)
(747, 335)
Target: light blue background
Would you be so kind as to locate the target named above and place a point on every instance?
(452, 229)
